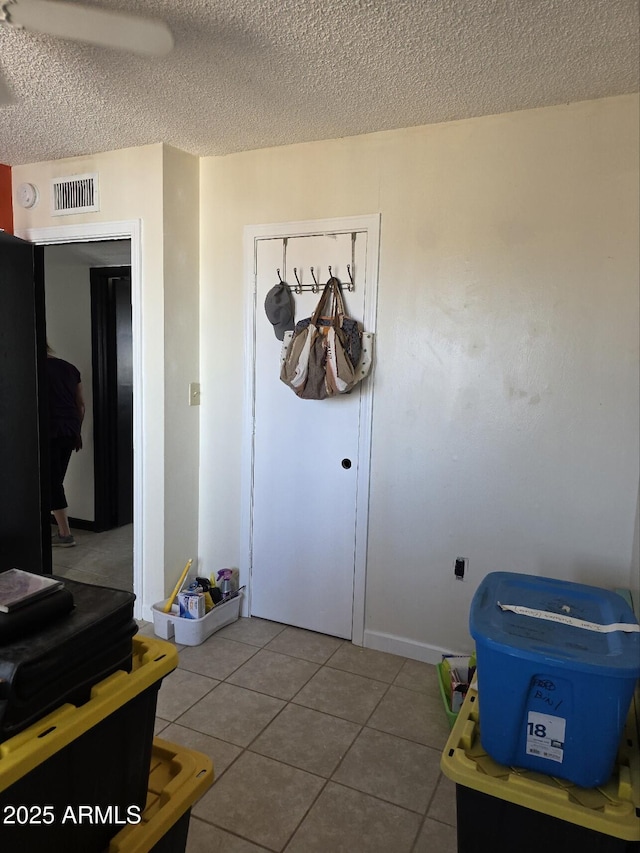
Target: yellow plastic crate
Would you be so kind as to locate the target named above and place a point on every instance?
(612, 809)
(178, 777)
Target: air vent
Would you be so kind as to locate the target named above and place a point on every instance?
(75, 194)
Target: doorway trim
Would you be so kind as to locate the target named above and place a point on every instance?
(370, 224)
(130, 229)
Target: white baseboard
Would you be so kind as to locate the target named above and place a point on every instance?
(405, 647)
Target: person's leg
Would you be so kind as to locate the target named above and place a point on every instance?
(60, 453)
(62, 521)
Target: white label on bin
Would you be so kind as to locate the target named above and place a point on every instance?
(563, 619)
(545, 736)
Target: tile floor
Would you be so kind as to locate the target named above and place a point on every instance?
(100, 558)
(318, 746)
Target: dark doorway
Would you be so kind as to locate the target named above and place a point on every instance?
(112, 395)
(25, 534)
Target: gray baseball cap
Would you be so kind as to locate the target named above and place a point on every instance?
(279, 308)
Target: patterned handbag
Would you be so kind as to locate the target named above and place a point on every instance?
(324, 356)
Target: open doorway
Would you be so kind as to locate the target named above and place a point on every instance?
(88, 319)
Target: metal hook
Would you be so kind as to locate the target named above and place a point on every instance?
(280, 277)
(298, 287)
(316, 286)
(350, 286)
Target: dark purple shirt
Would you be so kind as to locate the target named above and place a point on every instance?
(62, 383)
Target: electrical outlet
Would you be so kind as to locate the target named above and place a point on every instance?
(460, 566)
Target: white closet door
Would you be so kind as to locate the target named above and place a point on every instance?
(305, 457)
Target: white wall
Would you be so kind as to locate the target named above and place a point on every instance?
(132, 187)
(68, 317)
(506, 387)
(634, 573)
(181, 365)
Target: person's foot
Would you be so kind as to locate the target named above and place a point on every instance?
(59, 541)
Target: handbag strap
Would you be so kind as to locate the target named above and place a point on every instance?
(337, 302)
(333, 300)
(326, 296)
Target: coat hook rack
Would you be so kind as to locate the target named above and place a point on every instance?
(351, 284)
(299, 287)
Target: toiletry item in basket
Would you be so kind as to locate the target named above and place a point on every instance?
(191, 602)
(224, 582)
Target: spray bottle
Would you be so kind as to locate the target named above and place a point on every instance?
(224, 582)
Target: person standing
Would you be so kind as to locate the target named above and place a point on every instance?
(66, 413)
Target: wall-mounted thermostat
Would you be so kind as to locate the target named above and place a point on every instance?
(28, 195)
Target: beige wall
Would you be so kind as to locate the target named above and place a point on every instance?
(132, 186)
(182, 357)
(634, 573)
(506, 387)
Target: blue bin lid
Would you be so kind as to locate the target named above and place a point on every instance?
(556, 621)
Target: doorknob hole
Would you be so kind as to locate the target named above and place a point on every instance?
(346, 463)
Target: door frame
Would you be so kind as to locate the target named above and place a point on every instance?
(106, 448)
(124, 230)
(370, 224)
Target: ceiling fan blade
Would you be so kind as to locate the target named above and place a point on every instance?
(90, 24)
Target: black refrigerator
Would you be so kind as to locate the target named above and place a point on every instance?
(25, 537)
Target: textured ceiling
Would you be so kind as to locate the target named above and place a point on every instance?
(256, 73)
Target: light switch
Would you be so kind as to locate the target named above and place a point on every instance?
(194, 393)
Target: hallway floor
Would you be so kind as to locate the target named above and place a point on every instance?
(318, 746)
(105, 558)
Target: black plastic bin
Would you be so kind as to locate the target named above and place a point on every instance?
(487, 823)
(62, 661)
(70, 782)
(506, 809)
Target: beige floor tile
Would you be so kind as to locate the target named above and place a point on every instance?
(389, 767)
(367, 662)
(204, 838)
(260, 799)
(416, 716)
(81, 575)
(217, 657)
(307, 645)
(220, 752)
(436, 838)
(293, 747)
(307, 739)
(443, 805)
(343, 694)
(418, 676)
(232, 714)
(159, 725)
(256, 632)
(103, 559)
(347, 821)
(146, 629)
(90, 560)
(179, 691)
(275, 674)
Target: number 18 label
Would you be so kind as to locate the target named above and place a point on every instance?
(545, 736)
